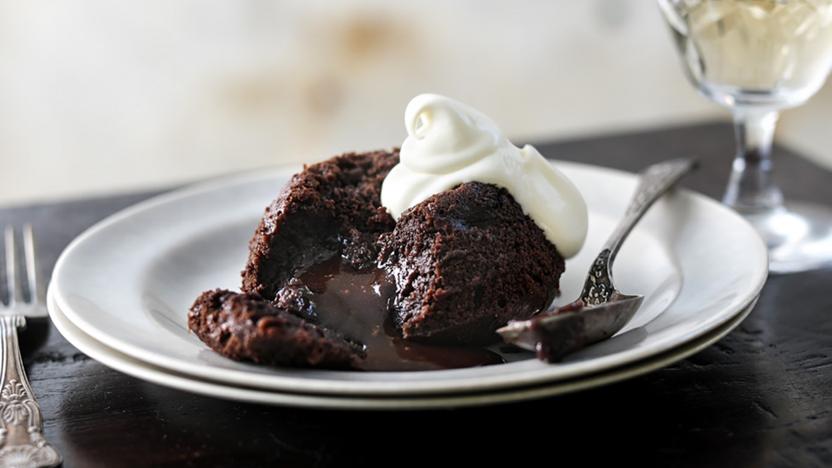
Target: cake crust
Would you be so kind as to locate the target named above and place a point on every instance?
(465, 262)
(330, 208)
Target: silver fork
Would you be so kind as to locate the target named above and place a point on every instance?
(21, 438)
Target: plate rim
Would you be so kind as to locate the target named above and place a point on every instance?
(365, 387)
(121, 362)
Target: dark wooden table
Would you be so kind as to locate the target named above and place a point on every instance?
(760, 397)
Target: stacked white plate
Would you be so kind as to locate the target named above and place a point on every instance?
(120, 293)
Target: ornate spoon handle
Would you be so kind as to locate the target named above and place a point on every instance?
(655, 181)
(21, 439)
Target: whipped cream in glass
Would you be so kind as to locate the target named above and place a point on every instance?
(450, 143)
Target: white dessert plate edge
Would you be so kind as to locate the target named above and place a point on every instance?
(160, 376)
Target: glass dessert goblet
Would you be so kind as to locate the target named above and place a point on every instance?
(757, 57)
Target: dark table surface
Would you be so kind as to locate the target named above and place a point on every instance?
(762, 396)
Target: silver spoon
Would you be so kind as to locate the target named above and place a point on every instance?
(601, 310)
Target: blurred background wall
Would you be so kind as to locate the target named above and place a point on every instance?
(114, 95)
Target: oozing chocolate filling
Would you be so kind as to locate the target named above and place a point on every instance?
(355, 303)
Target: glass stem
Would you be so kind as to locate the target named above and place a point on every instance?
(751, 189)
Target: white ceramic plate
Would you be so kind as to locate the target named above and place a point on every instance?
(129, 280)
(168, 378)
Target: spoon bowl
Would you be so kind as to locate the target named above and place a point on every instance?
(559, 332)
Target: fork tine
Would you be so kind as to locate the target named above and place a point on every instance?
(15, 294)
(35, 292)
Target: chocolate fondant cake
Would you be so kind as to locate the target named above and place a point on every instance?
(402, 260)
(450, 271)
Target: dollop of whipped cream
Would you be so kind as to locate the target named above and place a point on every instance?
(450, 143)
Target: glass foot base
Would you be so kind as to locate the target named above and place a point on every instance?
(799, 236)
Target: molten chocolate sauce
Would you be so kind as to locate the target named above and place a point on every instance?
(355, 303)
